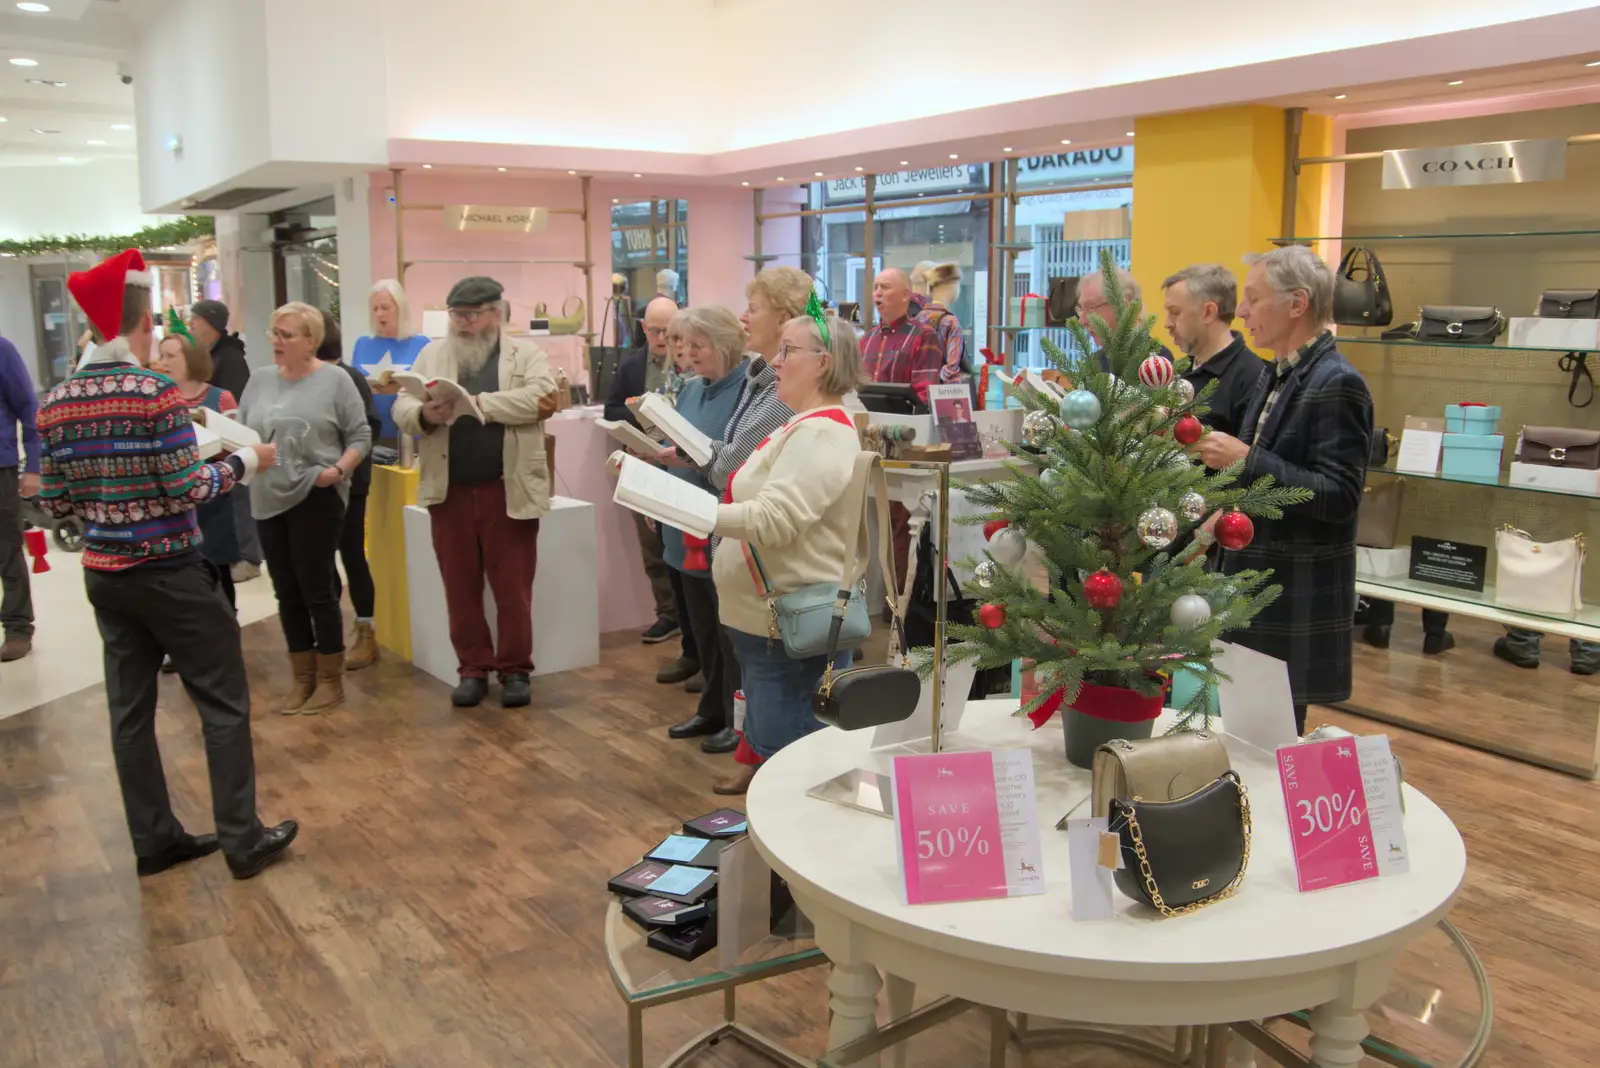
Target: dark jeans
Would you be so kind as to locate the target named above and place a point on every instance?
(717, 661)
(778, 691)
(1525, 643)
(691, 649)
(299, 547)
(16, 601)
(224, 577)
(1381, 614)
(176, 609)
(656, 569)
(353, 554)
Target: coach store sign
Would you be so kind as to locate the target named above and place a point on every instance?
(495, 217)
(1492, 163)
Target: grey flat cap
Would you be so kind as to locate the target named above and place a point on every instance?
(471, 292)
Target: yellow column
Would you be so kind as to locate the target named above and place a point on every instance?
(1208, 188)
(392, 489)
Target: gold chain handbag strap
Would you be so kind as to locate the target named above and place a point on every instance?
(1150, 880)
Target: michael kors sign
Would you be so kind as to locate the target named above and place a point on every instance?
(492, 217)
(1493, 163)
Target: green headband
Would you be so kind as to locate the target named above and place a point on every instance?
(814, 309)
(175, 325)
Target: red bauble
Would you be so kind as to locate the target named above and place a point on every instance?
(1156, 371)
(1102, 590)
(1234, 530)
(1187, 429)
(992, 616)
(993, 525)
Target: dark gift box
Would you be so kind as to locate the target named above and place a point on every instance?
(675, 882)
(688, 849)
(723, 823)
(653, 913)
(687, 942)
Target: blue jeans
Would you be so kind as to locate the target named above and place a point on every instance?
(778, 691)
(1526, 643)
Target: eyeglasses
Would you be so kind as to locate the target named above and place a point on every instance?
(655, 331)
(468, 315)
(284, 336)
(786, 350)
(1081, 307)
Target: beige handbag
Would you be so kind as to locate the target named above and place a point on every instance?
(1156, 769)
(1378, 520)
(1538, 576)
(565, 323)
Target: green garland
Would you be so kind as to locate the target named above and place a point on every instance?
(164, 235)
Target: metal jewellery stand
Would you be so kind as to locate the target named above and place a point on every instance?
(867, 789)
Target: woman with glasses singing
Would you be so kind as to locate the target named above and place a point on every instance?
(315, 416)
(785, 509)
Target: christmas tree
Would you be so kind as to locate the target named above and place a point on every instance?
(1110, 498)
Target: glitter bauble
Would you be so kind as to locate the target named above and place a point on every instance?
(1192, 506)
(1050, 477)
(1185, 390)
(1187, 429)
(1156, 372)
(1037, 429)
(1008, 546)
(1190, 611)
(1157, 528)
(986, 574)
(992, 616)
(1080, 409)
(1102, 590)
(1234, 530)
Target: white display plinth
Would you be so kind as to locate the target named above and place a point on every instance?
(566, 602)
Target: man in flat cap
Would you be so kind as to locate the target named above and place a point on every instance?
(485, 484)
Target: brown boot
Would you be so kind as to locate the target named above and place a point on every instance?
(364, 653)
(304, 666)
(16, 647)
(330, 684)
(738, 784)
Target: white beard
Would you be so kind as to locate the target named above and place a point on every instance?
(471, 353)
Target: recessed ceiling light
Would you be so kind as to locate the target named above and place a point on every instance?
(501, 169)
(122, 126)
(37, 130)
(744, 183)
(615, 200)
(67, 159)
(1006, 149)
(427, 166)
(1130, 133)
(33, 8)
(1066, 140)
(46, 81)
(1456, 81)
(954, 155)
(20, 61)
(781, 178)
(817, 174)
(1593, 63)
(96, 142)
(1340, 96)
(572, 172)
(4, 119)
(905, 163)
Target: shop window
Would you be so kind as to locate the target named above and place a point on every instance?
(648, 236)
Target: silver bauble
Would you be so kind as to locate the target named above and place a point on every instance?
(1190, 611)
(986, 574)
(1178, 458)
(1192, 506)
(1080, 409)
(1037, 429)
(1185, 390)
(1008, 546)
(1050, 477)
(1157, 528)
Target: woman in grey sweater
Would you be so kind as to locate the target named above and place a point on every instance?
(315, 416)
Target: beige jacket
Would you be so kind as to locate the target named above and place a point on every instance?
(526, 398)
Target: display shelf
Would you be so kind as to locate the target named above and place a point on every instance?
(643, 973)
(1583, 624)
(1487, 235)
(1502, 482)
(1345, 339)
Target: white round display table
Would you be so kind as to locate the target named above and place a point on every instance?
(1268, 950)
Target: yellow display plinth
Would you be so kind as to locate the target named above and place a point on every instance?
(1208, 188)
(393, 488)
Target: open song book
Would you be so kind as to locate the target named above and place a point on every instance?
(650, 491)
(632, 437)
(216, 433)
(429, 389)
(655, 410)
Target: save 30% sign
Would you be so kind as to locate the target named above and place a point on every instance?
(1346, 824)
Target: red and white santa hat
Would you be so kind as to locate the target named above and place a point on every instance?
(99, 290)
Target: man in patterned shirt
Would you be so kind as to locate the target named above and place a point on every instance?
(900, 348)
(120, 453)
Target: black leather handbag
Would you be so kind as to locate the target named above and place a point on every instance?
(1382, 446)
(1061, 301)
(1361, 294)
(1570, 304)
(1460, 325)
(1180, 856)
(872, 694)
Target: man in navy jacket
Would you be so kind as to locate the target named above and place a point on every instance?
(19, 478)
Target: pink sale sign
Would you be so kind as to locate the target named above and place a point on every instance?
(1326, 800)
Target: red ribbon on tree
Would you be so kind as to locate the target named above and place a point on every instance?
(1116, 703)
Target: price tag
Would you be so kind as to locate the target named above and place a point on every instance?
(967, 825)
(1343, 803)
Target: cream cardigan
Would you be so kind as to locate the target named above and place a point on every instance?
(788, 502)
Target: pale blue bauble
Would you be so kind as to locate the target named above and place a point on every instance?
(1080, 409)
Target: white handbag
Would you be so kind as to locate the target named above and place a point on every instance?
(1536, 576)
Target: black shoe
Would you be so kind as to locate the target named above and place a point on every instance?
(661, 630)
(189, 847)
(724, 741)
(469, 692)
(679, 670)
(697, 684)
(268, 848)
(515, 691)
(1585, 669)
(1376, 635)
(694, 726)
(1434, 644)
(1502, 649)
(168, 667)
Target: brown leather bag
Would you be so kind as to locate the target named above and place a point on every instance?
(1156, 769)
(1559, 446)
(1378, 521)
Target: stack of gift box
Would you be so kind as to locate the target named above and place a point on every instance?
(672, 892)
(1472, 442)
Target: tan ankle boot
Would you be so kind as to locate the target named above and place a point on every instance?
(304, 666)
(736, 784)
(364, 652)
(330, 684)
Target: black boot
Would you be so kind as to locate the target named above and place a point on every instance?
(1437, 642)
(679, 670)
(469, 692)
(1376, 635)
(1503, 649)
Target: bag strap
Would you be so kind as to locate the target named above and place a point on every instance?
(868, 472)
(572, 297)
(1577, 364)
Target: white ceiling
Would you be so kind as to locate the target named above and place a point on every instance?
(86, 44)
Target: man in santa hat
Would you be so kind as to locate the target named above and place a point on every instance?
(120, 454)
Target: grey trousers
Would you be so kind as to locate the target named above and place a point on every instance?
(245, 525)
(16, 596)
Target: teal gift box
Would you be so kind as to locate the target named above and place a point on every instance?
(1479, 419)
(1475, 457)
(1185, 684)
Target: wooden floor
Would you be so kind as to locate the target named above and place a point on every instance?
(443, 905)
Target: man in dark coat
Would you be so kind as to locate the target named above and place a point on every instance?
(208, 322)
(1309, 424)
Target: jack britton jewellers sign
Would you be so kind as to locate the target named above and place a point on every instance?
(1493, 163)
